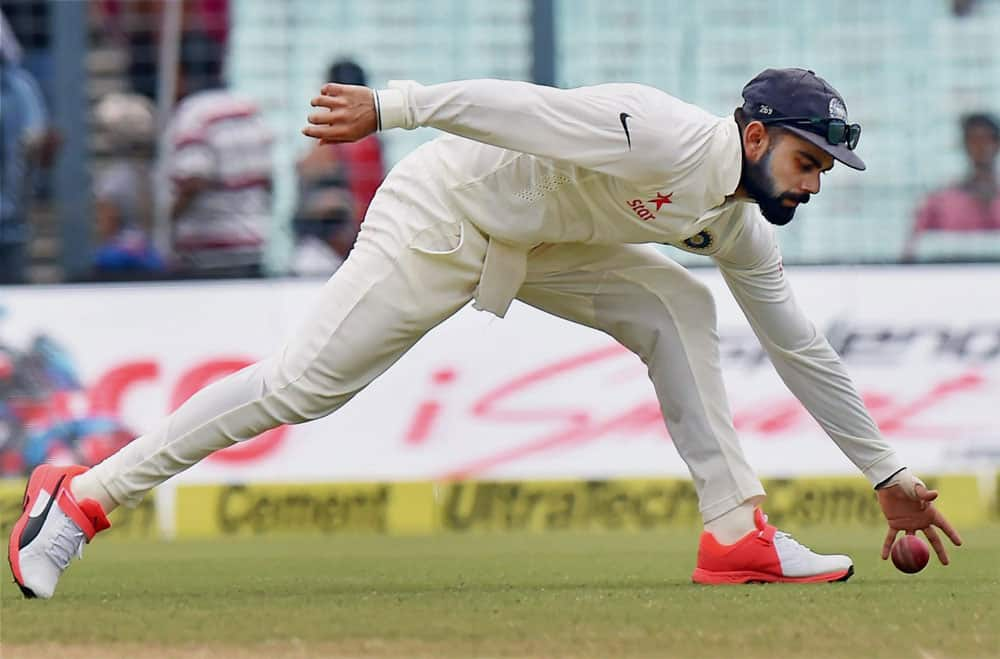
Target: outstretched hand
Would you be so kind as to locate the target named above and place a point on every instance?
(345, 113)
(914, 511)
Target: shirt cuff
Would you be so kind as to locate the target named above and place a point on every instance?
(390, 106)
(883, 469)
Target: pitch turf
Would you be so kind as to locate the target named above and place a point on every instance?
(497, 596)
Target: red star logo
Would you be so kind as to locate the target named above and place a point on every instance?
(660, 200)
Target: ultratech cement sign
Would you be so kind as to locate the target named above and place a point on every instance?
(329, 508)
(525, 506)
(584, 506)
(421, 508)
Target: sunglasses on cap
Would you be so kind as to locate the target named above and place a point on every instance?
(836, 131)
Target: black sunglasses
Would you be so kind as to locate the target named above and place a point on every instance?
(836, 131)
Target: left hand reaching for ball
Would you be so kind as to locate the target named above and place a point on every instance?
(907, 505)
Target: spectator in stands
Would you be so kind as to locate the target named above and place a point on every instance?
(29, 21)
(218, 158)
(27, 36)
(123, 192)
(973, 204)
(23, 147)
(962, 8)
(324, 224)
(136, 25)
(327, 220)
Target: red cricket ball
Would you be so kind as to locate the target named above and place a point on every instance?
(910, 554)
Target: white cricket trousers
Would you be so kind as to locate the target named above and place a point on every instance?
(414, 265)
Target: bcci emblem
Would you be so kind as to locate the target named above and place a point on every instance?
(837, 109)
(701, 240)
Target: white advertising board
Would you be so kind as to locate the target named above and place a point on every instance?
(530, 396)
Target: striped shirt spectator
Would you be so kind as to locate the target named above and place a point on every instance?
(218, 158)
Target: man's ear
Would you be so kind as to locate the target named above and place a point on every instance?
(755, 141)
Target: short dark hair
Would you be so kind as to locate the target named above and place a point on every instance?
(742, 120)
(988, 121)
(347, 72)
(201, 60)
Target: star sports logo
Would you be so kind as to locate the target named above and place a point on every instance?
(638, 206)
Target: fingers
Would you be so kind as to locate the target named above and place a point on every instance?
(890, 537)
(329, 134)
(329, 117)
(343, 113)
(935, 541)
(324, 118)
(330, 123)
(949, 530)
(326, 126)
(328, 102)
(924, 494)
(325, 134)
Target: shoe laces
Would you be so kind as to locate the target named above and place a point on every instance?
(66, 543)
(781, 535)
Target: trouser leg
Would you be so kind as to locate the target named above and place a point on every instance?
(654, 307)
(411, 268)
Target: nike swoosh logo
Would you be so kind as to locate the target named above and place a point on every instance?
(40, 503)
(35, 522)
(624, 117)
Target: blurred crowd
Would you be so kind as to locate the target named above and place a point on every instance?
(190, 194)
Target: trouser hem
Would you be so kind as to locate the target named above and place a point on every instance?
(721, 507)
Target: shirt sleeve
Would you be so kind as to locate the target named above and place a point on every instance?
(36, 116)
(803, 358)
(631, 131)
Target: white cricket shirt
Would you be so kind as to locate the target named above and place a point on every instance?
(626, 163)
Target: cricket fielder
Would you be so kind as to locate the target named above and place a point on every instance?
(547, 195)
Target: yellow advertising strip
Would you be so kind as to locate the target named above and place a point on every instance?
(631, 505)
(613, 505)
(327, 508)
(126, 523)
(417, 508)
(420, 508)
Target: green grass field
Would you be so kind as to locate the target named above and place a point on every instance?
(600, 595)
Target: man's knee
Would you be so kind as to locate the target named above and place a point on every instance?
(301, 397)
(694, 303)
(669, 317)
(679, 307)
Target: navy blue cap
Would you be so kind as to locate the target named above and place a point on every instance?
(777, 93)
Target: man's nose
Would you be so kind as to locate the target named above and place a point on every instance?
(811, 185)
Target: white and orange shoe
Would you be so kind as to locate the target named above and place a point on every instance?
(51, 530)
(766, 555)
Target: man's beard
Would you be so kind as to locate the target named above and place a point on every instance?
(756, 179)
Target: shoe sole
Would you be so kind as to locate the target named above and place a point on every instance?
(35, 483)
(707, 577)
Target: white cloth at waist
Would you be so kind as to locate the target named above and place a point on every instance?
(504, 271)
